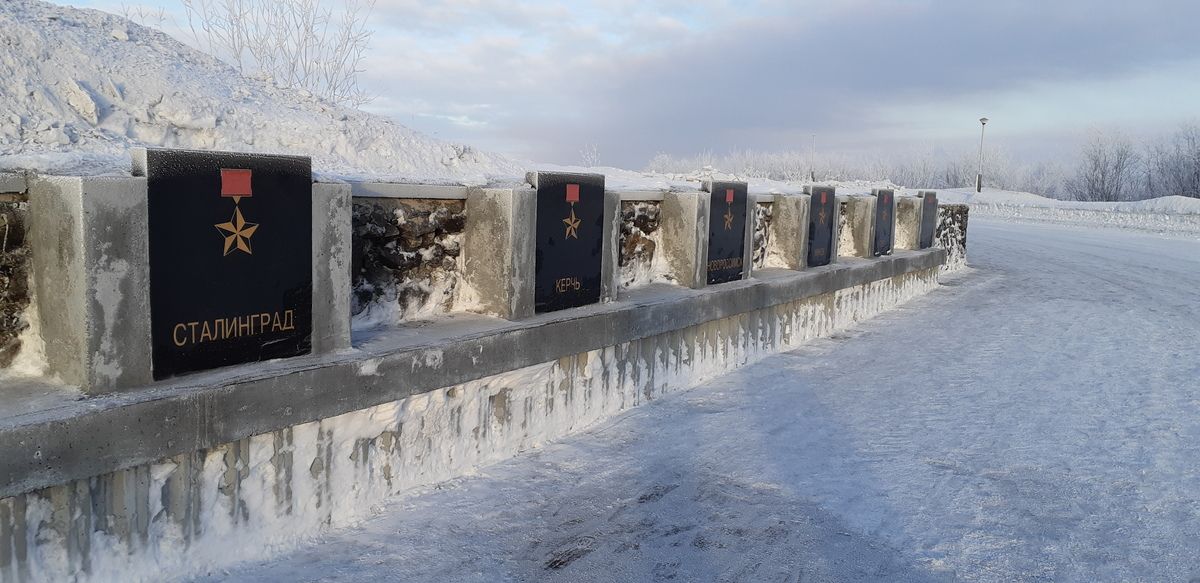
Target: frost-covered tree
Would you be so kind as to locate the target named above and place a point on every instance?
(1108, 169)
(1173, 164)
(315, 45)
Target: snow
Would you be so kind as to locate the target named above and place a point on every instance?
(1034, 419)
(83, 86)
(1175, 215)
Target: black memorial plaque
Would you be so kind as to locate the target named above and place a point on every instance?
(929, 215)
(821, 215)
(885, 208)
(570, 240)
(726, 231)
(230, 239)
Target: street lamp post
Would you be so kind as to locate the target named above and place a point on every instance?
(979, 177)
(812, 160)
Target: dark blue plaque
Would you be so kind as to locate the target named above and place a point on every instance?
(570, 240)
(230, 241)
(727, 231)
(821, 216)
(929, 216)
(885, 210)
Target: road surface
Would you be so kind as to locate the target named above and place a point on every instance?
(1037, 419)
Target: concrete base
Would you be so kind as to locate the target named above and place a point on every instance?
(191, 475)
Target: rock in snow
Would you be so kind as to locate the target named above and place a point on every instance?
(82, 86)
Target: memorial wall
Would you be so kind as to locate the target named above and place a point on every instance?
(230, 346)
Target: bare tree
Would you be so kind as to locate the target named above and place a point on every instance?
(1108, 169)
(146, 16)
(1173, 164)
(304, 44)
(590, 156)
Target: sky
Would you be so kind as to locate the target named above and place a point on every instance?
(544, 80)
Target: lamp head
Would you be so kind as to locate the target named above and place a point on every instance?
(983, 120)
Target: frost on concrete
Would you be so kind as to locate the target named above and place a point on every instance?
(203, 511)
(641, 257)
(405, 259)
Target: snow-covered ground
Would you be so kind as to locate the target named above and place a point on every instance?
(1170, 214)
(1035, 419)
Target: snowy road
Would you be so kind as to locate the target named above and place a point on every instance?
(1035, 420)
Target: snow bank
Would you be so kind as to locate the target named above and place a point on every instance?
(82, 86)
(1172, 214)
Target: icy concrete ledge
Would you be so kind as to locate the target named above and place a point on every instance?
(108, 433)
(188, 478)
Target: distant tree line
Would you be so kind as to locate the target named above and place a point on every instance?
(1109, 167)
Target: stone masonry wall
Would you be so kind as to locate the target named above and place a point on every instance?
(762, 233)
(639, 245)
(952, 235)
(405, 258)
(14, 276)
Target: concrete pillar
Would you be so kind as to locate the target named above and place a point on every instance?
(88, 238)
(908, 222)
(684, 220)
(331, 245)
(498, 251)
(857, 220)
(788, 243)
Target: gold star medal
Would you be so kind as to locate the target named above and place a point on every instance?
(237, 232)
(572, 222)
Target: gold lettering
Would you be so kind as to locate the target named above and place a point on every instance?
(718, 264)
(568, 284)
(232, 327)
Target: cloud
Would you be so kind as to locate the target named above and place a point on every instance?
(542, 78)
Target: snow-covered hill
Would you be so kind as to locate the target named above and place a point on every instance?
(79, 87)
